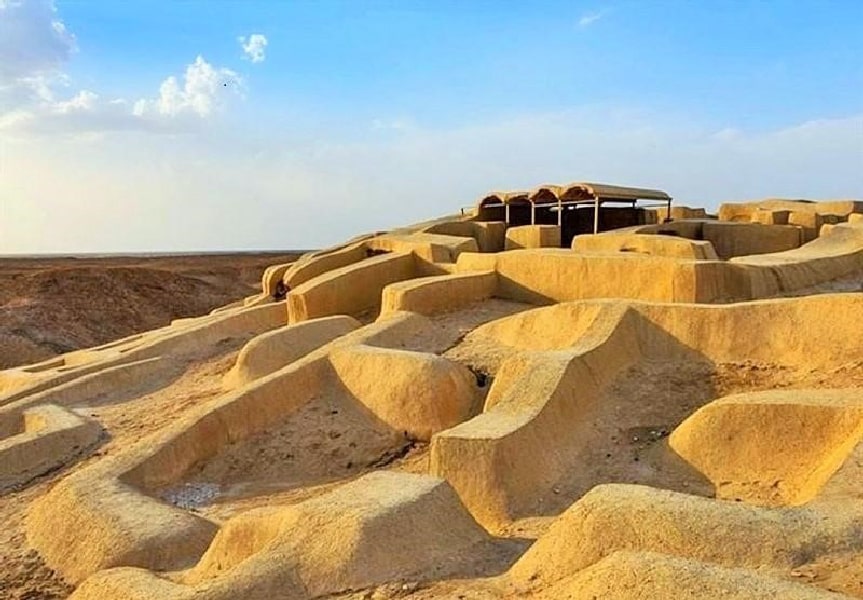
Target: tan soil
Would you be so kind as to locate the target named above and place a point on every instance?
(51, 305)
(329, 439)
(453, 326)
(627, 435)
(310, 452)
(851, 283)
(841, 573)
(23, 575)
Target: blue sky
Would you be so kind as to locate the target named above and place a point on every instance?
(378, 113)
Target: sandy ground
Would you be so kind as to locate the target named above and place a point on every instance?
(51, 305)
(327, 442)
(23, 575)
(329, 439)
(851, 283)
(332, 440)
(628, 444)
(626, 436)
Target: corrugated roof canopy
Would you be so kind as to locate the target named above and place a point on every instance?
(577, 191)
(617, 192)
(503, 197)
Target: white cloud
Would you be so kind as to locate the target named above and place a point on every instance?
(84, 101)
(254, 48)
(34, 41)
(588, 19)
(35, 94)
(34, 47)
(205, 89)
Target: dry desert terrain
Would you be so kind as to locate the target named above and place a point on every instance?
(485, 406)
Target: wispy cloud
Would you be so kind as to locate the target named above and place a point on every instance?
(401, 124)
(37, 96)
(201, 93)
(589, 18)
(255, 47)
(217, 189)
(34, 47)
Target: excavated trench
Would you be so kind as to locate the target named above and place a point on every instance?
(329, 440)
(626, 436)
(623, 436)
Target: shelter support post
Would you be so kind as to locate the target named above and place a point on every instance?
(506, 213)
(559, 212)
(533, 213)
(668, 211)
(596, 216)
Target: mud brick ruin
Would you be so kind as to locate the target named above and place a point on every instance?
(579, 391)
